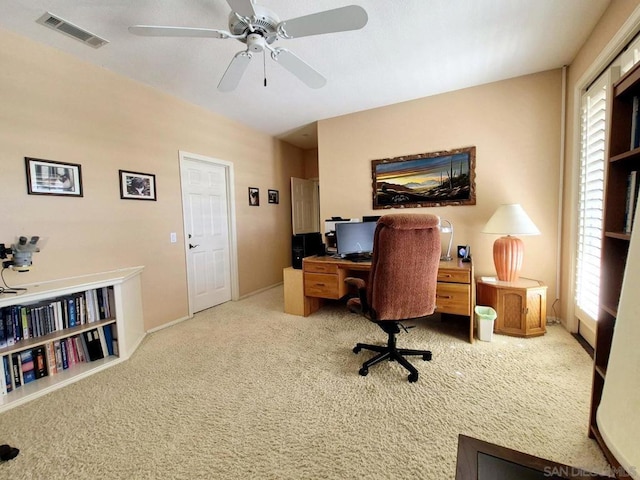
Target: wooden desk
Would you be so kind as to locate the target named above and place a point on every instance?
(455, 293)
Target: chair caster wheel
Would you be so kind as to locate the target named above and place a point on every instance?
(363, 371)
(413, 377)
(427, 357)
(356, 349)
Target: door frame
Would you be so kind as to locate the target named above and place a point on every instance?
(231, 219)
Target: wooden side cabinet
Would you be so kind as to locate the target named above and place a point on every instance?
(521, 305)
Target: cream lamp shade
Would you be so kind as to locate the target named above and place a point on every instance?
(508, 250)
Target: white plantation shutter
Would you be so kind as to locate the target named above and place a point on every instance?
(591, 197)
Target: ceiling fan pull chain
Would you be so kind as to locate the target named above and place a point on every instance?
(264, 67)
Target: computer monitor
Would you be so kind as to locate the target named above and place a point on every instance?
(355, 239)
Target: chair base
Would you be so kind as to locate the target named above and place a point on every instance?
(391, 353)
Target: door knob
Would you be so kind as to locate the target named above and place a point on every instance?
(193, 246)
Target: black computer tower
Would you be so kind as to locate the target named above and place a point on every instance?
(305, 245)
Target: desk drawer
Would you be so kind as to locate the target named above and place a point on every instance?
(454, 275)
(323, 286)
(320, 267)
(453, 298)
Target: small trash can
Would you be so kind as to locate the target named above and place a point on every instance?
(485, 316)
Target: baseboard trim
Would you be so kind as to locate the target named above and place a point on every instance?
(256, 292)
(167, 325)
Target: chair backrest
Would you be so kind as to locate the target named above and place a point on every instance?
(404, 268)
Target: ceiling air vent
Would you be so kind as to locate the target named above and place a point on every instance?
(71, 30)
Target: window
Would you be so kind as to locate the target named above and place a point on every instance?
(591, 195)
(591, 183)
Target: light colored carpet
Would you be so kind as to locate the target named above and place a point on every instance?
(245, 391)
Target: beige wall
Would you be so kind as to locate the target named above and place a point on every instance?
(58, 108)
(311, 163)
(590, 60)
(515, 126)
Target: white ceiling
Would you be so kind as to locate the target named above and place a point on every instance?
(409, 49)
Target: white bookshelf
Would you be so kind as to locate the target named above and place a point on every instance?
(127, 318)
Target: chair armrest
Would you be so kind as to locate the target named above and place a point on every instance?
(361, 285)
(356, 282)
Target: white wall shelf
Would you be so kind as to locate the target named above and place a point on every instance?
(127, 317)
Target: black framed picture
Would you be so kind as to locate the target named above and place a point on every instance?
(254, 197)
(274, 196)
(137, 186)
(46, 177)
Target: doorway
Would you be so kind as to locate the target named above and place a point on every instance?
(305, 205)
(208, 210)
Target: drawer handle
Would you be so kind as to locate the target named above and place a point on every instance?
(320, 285)
(444, 275)
(443, 296)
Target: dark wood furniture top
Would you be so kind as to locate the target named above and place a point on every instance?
(480, 460)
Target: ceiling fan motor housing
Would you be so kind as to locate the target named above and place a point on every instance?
(255, 42)
(264, 24)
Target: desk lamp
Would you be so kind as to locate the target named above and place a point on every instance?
(508, 251)
(448, 228)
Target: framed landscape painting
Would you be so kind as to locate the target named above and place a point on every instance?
(425, 180)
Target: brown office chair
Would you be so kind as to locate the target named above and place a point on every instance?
(401, 284)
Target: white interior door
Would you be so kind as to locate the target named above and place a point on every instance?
(208, 230)
(305, 206)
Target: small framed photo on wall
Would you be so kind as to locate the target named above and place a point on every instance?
(254, 197)
(137, 186)
(274, 196)
(46, 177)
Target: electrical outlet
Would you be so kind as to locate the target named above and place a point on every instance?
(174, 237)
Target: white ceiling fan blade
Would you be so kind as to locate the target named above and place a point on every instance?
(234, 72)
(299, 68)
(242, 7)
(352, 17)
(160, 31)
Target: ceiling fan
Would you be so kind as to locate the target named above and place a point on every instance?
(258, 27)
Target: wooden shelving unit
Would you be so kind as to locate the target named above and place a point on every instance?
(623, 159)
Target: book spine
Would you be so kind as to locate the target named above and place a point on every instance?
(71, 304)
(8, 327)
(28, 366)
(57, 350)
(6, 364)
(3, 376)
(631, 201)
(635, 125)
(40, 362)
(63, 350)
(17, 370)
(17, 323)
(51, 358)
(108, 337)
(3, 337)
(24, 320)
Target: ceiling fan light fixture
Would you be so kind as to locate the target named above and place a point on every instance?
(256, 43)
